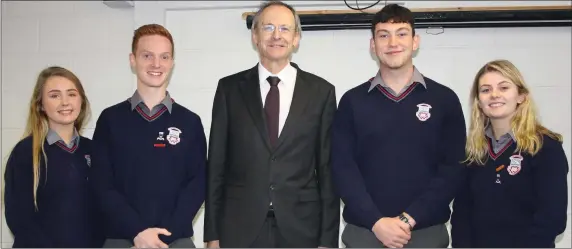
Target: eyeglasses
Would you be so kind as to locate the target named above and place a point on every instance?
(269, 28)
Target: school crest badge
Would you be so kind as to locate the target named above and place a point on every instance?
(88, 160)
(174, 135)
(515, 164)
(423, 112)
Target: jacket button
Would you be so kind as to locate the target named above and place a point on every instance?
(273, 159)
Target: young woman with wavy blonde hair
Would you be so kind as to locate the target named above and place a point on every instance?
(47, 198)
(516, 192)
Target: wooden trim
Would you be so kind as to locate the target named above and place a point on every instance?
(350, 11)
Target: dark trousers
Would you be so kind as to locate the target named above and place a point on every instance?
(123, 243)
(269, 235)
(430, 237)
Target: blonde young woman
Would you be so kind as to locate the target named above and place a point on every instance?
(48, 202)
(516, 190)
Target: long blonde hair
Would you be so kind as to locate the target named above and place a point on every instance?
(37, 125)
(525, 125)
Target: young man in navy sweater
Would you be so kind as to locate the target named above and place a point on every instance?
(149, 155)
(397, 145)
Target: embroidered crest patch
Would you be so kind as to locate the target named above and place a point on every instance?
(88, 160)
(515, 164)
(174, 135)
(423, 112)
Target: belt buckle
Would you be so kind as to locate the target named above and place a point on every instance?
(270, 212)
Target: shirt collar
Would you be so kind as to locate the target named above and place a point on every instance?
(53, 137)
(417, 77)
(136, 100)
(286, 75)
(489, 133)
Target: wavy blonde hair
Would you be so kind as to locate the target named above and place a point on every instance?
(37, 125)
(525, 125)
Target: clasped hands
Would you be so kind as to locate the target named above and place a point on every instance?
(149, 238)
(393, 232)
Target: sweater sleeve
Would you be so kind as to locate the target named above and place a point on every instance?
(192, 195)
(347, 178)
(19, 201)
(443, 186)
(461, 225)
(115, 207)
(550, 173)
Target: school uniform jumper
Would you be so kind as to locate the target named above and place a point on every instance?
(515, 199)
(149, 168)
(394, 153)
(66, 216)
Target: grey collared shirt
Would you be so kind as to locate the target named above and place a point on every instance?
(417, 77)
(53, 138)
(136, 100)
(503, 140)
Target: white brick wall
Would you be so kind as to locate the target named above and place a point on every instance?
(94, 41)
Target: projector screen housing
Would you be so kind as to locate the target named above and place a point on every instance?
(538, 16)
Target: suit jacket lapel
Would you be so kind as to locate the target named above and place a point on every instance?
(250, 89)
(300, 99)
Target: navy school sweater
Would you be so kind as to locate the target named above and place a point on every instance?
(149, 173)
(66, 215)
(518, 202)
(386, 161)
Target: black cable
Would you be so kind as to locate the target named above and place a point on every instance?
(358, 8)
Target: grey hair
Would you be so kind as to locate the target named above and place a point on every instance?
(267, 4)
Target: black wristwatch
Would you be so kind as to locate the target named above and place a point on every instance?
(403, 218)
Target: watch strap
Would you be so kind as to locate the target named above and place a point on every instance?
(404, 218)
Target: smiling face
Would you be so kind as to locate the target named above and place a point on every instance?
(394, 44)
(61, 101)
(275, 35)
(152, 60)
(498, 96)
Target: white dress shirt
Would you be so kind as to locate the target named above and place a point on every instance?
(285, 86)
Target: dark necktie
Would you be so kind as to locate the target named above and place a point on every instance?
(272, 109)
